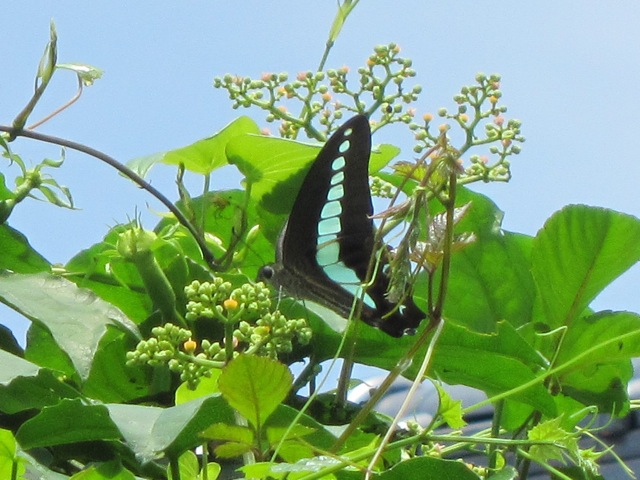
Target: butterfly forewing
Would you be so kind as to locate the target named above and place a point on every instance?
(328, 241)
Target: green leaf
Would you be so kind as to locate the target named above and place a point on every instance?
(17, 254)
(218, 213)
(597, 350)
(551, 431)
(261, 470)
(76, 318)
(578, 252)
(277, 434)
(310, 464)
(5, 192)
(255, 386)
(43, 349)
(429, 468)
(291, 449)
(484, 218)
(450, 409)
(315, 434)
(206, 386)
(8, 341)
(344, 9)
(69, 421)
(223, 431)
(35, 469)
(25, 385)
(111, 380)
(188, 466)
(112, 470)
(232, 449)
(203, 156)
(153, 432)
(275, 168)
(9, 458)
(493, 363)
(491, 281)
(87, 73)
(506, 473)
(213, 470)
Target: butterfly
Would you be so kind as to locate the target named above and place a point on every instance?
(326, 245)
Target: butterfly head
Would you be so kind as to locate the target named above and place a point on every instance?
(276, 275)
(269, 273)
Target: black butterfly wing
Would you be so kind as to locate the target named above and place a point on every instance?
(352, 142)
(328, 242)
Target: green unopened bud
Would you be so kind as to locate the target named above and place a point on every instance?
(135, 242)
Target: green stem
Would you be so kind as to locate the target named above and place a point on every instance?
(174, 465)
(45, 73)
(556, 473)
(158, 286)
(205, 461)
(199, 361)
(495, 433)
(228, 340)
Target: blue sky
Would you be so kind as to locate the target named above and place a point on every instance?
(570, 73)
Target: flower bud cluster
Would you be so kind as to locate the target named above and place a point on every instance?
(382, 189)
(326, 95)
(273, 334)
(204, 299)
(172, 346)
(250, 327)
(476, 104)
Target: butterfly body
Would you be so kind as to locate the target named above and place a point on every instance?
(327, 244)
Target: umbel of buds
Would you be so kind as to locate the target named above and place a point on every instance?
(250, 326)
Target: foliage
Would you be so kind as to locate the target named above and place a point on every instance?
(152, 343)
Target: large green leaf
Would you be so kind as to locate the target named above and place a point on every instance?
(76, 318)
(597, 350)
(203, 156)
(150, 432)
(255, 386)
(25, 385)
(578, 252)
(275, 168)
(484, 218)
(70, 421)
(17, 254)
(491, 281)
(494, 362)
(112, 380)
